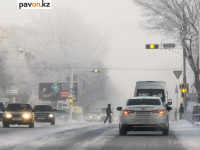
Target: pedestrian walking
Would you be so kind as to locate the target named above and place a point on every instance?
(108, 112)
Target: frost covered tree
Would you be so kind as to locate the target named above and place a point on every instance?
(58, 40)
(167, 17)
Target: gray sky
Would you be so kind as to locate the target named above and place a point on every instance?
(117, 20)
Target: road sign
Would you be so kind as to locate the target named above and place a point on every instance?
(192, 95)
(71, 90)
(177, 73)
(169, 45)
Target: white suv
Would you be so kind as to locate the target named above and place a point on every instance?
(144, 114)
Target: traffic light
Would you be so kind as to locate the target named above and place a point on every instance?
(70, 101)
(184, 90)
(152, 46)
(96, 71)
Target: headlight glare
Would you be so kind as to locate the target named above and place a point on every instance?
(8, 115)
(51, 115)
(26, 116)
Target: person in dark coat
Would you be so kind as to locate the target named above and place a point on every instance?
(108, 112)
(181, 111)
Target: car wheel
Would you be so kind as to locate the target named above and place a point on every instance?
(53, 123)
(166, 131)
(6, 125)
(122, 131)
(31, 125)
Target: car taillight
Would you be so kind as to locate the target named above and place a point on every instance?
(126, 112)
(131, 111)
(159, 111)
(155, 111)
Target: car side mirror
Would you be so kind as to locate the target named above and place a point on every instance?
(54, 109)
(119, 108)
(169, 102)
(169, 108)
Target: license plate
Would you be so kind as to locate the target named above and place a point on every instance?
(41, 118)
(17, 119)
(143, 113)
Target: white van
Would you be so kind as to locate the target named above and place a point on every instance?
(152, 88)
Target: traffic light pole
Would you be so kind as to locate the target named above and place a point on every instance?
(176, 110)
(184, 78)
(71, 85)
(71, 94)
(184, 54)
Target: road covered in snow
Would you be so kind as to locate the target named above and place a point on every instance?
(95, 135)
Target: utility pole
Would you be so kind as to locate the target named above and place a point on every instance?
(71, 94)
(176, 110)
(72, 85)
(198, 64)
(184, 53)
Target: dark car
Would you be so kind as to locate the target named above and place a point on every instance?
(20, 114)
(61, 115)
(44, 113)
(2, 109)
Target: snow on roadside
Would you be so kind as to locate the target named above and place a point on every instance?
(35, 136)
(188, 134)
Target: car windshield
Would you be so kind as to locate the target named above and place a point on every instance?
(43, 108)
(18, 107)
(1, 106)
(60, 112)
(143, 102)
(95, 113)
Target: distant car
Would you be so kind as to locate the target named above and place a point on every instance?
(44, 113)
(61, 115)
(144, 113)
(2, 109)
(20, 114)
(93, 116)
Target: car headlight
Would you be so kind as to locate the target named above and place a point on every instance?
(26, 116)
(98, 116)
(90, 116)
(8, 116)
(50, 115)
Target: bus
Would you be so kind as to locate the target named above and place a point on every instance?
(152, 88)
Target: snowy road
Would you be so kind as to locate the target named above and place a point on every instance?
(92, 136)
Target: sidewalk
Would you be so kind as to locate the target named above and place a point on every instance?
(188, 135)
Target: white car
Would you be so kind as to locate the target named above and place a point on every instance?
(144, 114)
